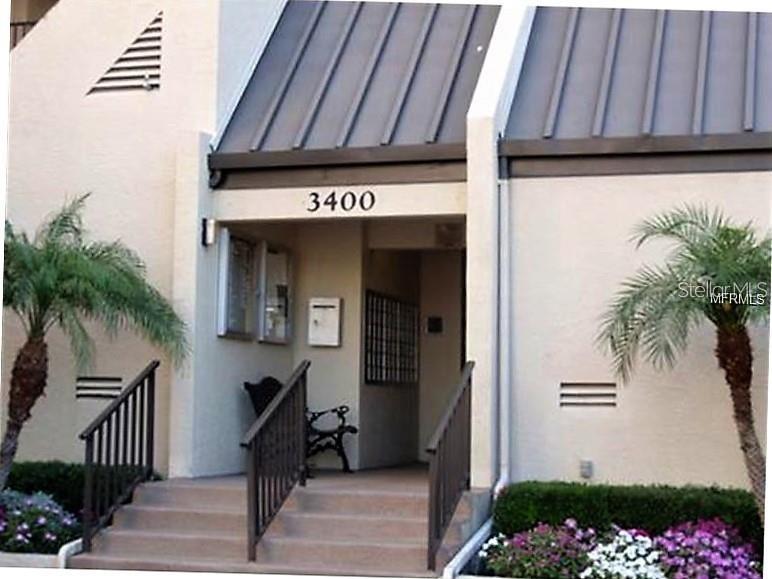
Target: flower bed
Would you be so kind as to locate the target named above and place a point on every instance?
(705, 549)
(34, 524)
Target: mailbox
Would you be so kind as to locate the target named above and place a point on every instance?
(324, 322)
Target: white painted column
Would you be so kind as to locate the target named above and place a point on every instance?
(486, 120)
(191, 204)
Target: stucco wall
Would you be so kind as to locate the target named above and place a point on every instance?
(441, 285)
(328, 263)
(389, 412)
(570, 252)
(122, 148)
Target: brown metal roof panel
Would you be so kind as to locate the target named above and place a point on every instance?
(725, 83)
(361, 74)
(584, 75)
(599, 73)
(310, 74)
(453, 129)
(273, 68)
(678, 72)
(529, 111)
(763, 113)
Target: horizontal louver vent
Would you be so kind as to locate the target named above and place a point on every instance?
(99, 387)
(139, 67)
(599, 394)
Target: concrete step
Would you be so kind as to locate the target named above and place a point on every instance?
(357, 502)
(347, 527)
(167, 493)
(354, 528)
(95, 561)
(181, 520)
(152, 543)
(395, 558)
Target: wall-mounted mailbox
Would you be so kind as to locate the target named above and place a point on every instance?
(324, 322)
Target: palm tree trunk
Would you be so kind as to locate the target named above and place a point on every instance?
(28, 380)
(736, 359)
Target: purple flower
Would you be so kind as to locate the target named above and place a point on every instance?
(707, 549)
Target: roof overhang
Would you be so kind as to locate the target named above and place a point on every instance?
(637, 155)
(353, 166)
(338, 157)
(637, 145)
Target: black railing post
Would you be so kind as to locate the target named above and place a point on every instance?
(303, 434)
(150, 423)
(251, 502)
(88, 495)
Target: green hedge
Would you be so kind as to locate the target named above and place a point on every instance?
(521, 506)
(63, 481)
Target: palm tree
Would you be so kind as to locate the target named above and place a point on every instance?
(717, 271)
(60, 279)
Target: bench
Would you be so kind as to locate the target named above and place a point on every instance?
(319, 437)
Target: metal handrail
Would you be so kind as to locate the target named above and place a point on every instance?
(119, 452)
(449, 463)
(276, 455)
(102, 416)
(277, 400)
(466, 374)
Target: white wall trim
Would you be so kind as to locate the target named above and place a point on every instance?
(486, 120)
(249, 70)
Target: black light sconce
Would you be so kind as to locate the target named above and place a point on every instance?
(207, 231)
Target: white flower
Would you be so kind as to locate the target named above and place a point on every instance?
(624, 557)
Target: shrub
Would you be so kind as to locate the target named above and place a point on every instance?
(707, 549)
(522, 506)
(62, 481)
(546, 552)
(34, 523)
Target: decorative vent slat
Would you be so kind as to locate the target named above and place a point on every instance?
(145, 39)
(588, 394)
(139, 67)
(98, 387)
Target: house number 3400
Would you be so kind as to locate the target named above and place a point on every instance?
(334, 201)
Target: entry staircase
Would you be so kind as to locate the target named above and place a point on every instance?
(365, 523)
(278, 518)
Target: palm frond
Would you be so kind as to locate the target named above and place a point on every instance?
(652, 316)
(683, 224)
(647, 314)
(61, 279)
(66, 225)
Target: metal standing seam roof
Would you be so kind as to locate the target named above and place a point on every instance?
(360, 82)
(624, 80)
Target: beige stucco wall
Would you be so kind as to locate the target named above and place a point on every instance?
(441, 286)
(570, 252)
(389, 412)
(121, 147)
(328, 263)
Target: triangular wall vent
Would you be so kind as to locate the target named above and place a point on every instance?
(139, 67)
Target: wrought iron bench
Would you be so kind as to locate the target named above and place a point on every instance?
(320, 438)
